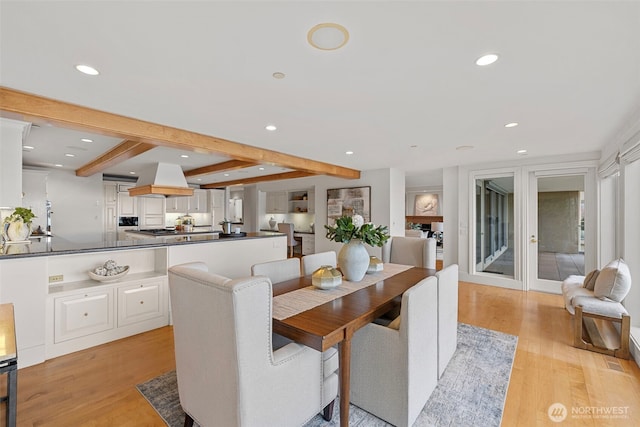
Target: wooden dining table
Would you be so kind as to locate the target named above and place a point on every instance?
(335, 322)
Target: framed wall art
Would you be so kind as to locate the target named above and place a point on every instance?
(348, 202)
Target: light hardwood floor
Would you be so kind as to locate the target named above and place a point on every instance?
(96, 387)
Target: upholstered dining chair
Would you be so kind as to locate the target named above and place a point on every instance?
(287, 228)
(394, 369)
(228, 374)
(312, 262)
(279, 270)
(414, 233)
(447, 315)
(410, 251)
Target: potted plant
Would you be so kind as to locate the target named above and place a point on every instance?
(17, 226)
(353, 258)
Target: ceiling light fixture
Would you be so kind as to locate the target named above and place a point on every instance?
(86, 69)
(260, 168)
(69, 155)
(132, 173)
(184, 156)
(27, 147)
(270, 127)
(58, 165)
(521, 152)
(348, 153)
(487, 59)
(511, 125)
(328, 36)
(278, 75)
(464, 147)
(86, 140)
(226, 174)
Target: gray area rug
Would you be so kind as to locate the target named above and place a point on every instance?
(471, 391)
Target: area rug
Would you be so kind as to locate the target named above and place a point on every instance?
(471, 392)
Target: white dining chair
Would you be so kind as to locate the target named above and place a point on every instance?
(312, 262)
(447, 315)
(278, 271)
(410, 251)
(228, 374)
(287, 228)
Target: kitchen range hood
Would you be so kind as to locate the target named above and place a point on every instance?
(163, 179)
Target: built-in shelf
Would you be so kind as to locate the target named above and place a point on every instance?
(91, 284)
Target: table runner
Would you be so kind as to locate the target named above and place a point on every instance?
(292, 303)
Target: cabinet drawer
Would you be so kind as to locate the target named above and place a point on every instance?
(139, 302)
(84, 314)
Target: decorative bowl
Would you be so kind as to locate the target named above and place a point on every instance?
(111, 278)
(326, 277)
(375, 265)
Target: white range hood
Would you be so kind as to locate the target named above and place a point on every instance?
(163, 179)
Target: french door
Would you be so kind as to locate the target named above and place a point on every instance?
(560, 227)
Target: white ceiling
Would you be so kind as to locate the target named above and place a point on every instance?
(403, 93)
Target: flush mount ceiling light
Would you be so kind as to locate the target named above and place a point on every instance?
(511, 125)
(86, 140)
(86, 69)
(278, 75)
(184, 156)
(260, 168)
(70, 155)
(270, 127)
(328, 36)
(487, 59)
(58, 165)
(348, 153)
(27, 147)
(521, 152)
(464, 147)
(132, 173)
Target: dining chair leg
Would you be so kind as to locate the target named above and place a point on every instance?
(327, 412)
(188, 421)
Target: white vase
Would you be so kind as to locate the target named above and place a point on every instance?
(353, 260)
(272, 223)
(17, 231)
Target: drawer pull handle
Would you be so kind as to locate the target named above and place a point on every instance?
(86, 314)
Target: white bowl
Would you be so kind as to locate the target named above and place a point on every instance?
(113, 278)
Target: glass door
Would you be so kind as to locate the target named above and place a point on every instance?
(557, 230)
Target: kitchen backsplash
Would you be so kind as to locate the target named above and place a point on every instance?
(301, 222)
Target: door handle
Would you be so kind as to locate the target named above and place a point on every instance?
(533, 239)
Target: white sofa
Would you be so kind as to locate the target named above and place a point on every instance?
(599, 295)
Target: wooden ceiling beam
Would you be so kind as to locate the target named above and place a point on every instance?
(73, 116)
(257, 179)
(220, 167)
(121, 152)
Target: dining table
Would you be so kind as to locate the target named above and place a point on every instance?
(322, 318)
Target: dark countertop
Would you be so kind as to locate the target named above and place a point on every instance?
(294, 231)
(44, 246)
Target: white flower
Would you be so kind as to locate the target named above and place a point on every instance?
(357, 220)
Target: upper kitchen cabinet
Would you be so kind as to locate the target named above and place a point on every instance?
(127, 205)
(152, 211)
(277, 202)
(177, 205)
(198, 203)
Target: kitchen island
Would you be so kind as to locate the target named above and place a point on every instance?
(59, 309)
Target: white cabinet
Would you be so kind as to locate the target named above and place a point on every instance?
(277, 202)
(217, 206)
(127, 205)
(308, 242)
(110, 192)
(177, 204)
(138, 302)
(311, 197)
(110, 207)
(199, 202)
(152, 210)
(83, 314)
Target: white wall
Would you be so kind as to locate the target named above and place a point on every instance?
(77, 204)
(12, 133)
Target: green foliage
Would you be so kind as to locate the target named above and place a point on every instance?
(20, 214)
(346, 230)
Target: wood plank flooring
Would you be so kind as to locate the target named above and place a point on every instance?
(96, 387)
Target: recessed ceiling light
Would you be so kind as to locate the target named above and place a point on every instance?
(464, 147)
(198, 179)
(278, 75)
(27, 147)
(184, 156)
(521, 152)
(328, 36)
(487, 59)
(348, 153)
(270, 127)
(69, 155)
(87, 70)
(226, 174)
(86, 140)
(132, 173)
(511, 125)
(260, 168)
(413, 146)
(58, 165)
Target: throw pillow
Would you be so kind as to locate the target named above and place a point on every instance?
(590, 279)
(613, 282)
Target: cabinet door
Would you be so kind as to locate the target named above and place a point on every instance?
(199, 201)
(308, 244)
(127, 205)
(83, 314)
(177, 204)
(110, 218)
(153, 205)
(277, 202)
(110, 193)
(311, 198)
(139, 302)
